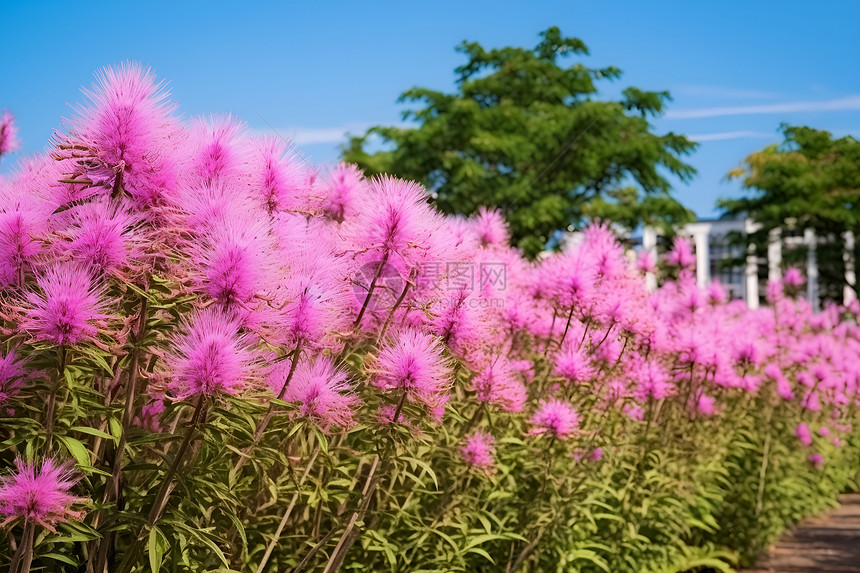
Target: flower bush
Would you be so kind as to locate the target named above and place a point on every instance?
(216, 358)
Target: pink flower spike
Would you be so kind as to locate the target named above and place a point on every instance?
(41, 495)
(556, 418)
(68, 310)
(803, 434)
(816, 460)
(793, 277)
(413, 362)
(323, 394)
(8, 134)
(478, 451)
(209, 357)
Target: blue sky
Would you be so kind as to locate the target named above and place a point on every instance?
(314, 70)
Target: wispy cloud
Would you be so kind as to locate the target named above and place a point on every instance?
(841, 104)
(722, 135)
(314, 135)
(720, 92)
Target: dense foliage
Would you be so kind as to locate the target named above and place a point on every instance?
(529, 136)
(809, 181)
(215, 359)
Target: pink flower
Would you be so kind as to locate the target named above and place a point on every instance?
(68, 310)
(323, 393)
(573, 365)
(209, 357)
(41, 495)
(102, 235)
(491, 228)
(816, 460)
(803, 434)
(8, 134)
(279, 178)
(126, 133)
(233, 262)
(706, 405)
(18, 247)
(597, 454)
(556, 418)
(681, 255)
(150, 416)
(413, 363)
(395, 220)
(478, 451)
(342, 188)
(218, 150)
(12, 376)
(646, 263)
(793, 277)
(497, 384)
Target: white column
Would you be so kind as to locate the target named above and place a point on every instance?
(751, 270)
(810, 241)
(848, 293)
(774, 255)
(703, 267)
(649, 243)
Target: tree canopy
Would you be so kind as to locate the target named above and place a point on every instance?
(528, 135)
(809, 181)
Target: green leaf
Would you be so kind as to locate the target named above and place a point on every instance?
(156, 548)
(77, 449)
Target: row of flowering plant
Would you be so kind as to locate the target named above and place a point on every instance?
(216, 358)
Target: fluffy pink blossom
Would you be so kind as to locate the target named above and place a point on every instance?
(573, 364)
(40, 494)
(793, 277)
(395, 220)
(127, 134)
(479, 450)
(150, 416)
(102, 235)
(646, 263)
(412, 362)
(18, 247)
(343, 187)
(322, 393)
(816, 460)
(209, 357)
(12, 376)
(8, 134)
(491, 228)
(706, 405)
(233, 261)
(278, 177)
(803, 434)
(681, 255)
(498, 384)
(555, 418)
(68, 309)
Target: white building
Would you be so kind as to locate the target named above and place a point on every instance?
(710, 238)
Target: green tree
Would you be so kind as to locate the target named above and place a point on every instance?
(809, 181)
(527, 135)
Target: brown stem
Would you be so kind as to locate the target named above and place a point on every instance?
(24, 555)
(286, 517)
(372, 286)
(295, 356)
(163, 495)
(52, 397)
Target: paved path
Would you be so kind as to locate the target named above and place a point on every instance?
(826, 544)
